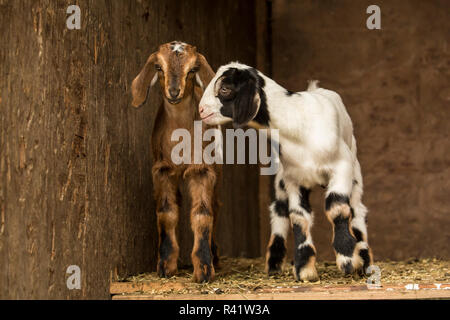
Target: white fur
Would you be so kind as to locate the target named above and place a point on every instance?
(199, 81)
(155, 78)
(308, 242)
(178, 47)
(315, 132)
(317, 146)
(279, 225)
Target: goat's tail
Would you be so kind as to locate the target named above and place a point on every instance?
(313, 85)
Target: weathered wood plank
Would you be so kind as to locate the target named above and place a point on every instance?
(75, 166)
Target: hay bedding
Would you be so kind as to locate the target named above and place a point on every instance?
(243, 276)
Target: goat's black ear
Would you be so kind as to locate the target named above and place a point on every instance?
(246, 104)
(146, 78)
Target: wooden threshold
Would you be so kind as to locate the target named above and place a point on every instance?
(137, 291)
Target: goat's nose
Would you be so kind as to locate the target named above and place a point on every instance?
(174, 92)
(201, 109)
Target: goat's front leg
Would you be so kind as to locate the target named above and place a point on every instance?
(279, 222)
(201, 182)
(167, 208)
(214, 247)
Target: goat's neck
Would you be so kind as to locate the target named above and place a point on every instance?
(272, 88)
(280, 111)
(182, 114)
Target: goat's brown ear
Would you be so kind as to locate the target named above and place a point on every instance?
(145, 79)
(205, 73)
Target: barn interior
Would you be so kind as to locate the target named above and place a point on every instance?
(75, 162)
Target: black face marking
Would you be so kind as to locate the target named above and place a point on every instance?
(277, 253)
(204, 254)
(282, 208)
(165, 249)
(335, 198)
(344, 243)
(239, 104)
(304, 200)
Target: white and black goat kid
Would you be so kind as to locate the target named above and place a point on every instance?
(317, 147)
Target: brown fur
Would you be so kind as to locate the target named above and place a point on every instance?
(201, 179)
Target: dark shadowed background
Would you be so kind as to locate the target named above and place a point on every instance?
(75, 166)
(395, 83)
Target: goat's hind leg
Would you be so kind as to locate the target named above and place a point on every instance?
(201, 183)
(350, 251)
(166, 189)
(359, 220)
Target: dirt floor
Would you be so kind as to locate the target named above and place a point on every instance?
(247, 277)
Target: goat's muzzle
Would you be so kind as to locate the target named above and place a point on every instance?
(174, 92)
(174, 101)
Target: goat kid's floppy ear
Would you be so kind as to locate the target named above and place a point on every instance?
(205, 73)
(146, 78)
(246, 104)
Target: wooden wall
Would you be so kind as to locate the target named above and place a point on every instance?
(75, 182)
(75, 166)
(395, 83)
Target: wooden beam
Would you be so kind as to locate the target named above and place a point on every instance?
(130, 291)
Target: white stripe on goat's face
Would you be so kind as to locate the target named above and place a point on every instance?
(235, 94)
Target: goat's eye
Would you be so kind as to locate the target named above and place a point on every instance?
(158, 67)
(224, 91)
(193, 70)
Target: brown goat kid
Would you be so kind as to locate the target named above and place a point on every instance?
(182, 73)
